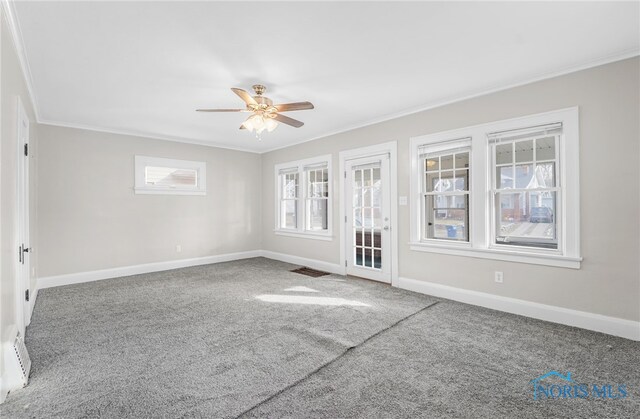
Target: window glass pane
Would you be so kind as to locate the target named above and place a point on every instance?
(462, 160)
(527, 219)
(170, 177)
(524, 151)
(431, 182)
(357, 178)
(290, 185)
(447, 217)
(432, 163)
(446, 181)
(545, 175)
(546, 148)
(461, 182)
(524, 176)
(504, 177)
(289, 213)
(504, 153)
(446, 162)
(317, 214)
(367, 177)
(316, 183)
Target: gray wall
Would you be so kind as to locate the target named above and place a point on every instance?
(90, 218)
(608, 282)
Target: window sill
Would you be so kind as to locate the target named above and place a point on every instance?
(142, 191)
(504, 255)
(304, 235)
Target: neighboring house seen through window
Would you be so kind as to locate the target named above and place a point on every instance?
(506, 190)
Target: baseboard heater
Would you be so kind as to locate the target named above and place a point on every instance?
(22, 358)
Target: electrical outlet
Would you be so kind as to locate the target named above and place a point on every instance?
(499, 277)
(178, 248)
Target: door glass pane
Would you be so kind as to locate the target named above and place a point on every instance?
(367, 220)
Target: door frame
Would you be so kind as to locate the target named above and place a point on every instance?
(390, 147)
(23, 270)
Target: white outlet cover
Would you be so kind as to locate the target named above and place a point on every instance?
(402, 200)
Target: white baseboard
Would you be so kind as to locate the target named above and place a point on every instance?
(334, 268)
(610, 325)
(76, 278)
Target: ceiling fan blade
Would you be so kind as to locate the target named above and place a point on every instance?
(298, 106)
(288, 121)
(222, 110)
(244, 95)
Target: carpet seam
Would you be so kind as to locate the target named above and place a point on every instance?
(341, 355)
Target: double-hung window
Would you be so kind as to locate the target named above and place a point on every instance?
(525, 190)
(506, 190)
(445, 191)
(304, 198)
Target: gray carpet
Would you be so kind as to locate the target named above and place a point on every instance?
(236, 339)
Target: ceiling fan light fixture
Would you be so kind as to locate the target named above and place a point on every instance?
(270, 124)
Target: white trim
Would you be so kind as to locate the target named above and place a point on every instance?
(77, 278)
(17, 39)
(508, 256)
(390, 147)
(481, 234)
(628, 329)
(149, 136)
(298, 166)
(141, 187)
(306, 235)
(311, 263)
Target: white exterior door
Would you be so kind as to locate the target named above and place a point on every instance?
(368, 212)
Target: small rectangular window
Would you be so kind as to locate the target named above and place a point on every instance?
(445, 191)
(154, 175)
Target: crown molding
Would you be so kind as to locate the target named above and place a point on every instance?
(144, 135)
(620, 56)
(9, 15)
(16, 35)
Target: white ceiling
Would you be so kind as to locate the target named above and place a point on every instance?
(143, 68)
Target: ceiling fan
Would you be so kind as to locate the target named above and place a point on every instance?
(265, 115)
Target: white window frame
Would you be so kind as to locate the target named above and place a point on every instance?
(481, 210)
(142, 162)
(444, 147)
(301, 221)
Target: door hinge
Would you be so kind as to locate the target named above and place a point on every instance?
(345, 174)
(345, 218)
(345, 263)
(26, 149)
(26, 295)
